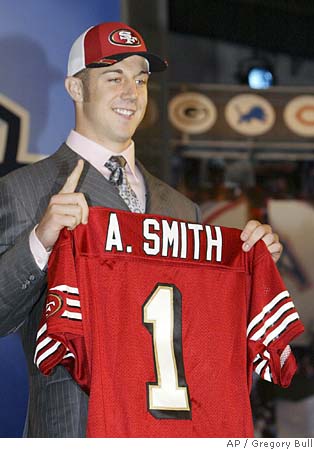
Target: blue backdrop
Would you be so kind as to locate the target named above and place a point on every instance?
(36, 115)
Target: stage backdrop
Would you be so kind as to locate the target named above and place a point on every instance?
(35, 117)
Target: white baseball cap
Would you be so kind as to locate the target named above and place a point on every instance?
(106, 44)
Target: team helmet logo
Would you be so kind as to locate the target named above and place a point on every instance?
(250, 114)
(192, 112)
(299, 115)
(125, 37)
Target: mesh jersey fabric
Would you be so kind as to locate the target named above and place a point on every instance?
(162, 322)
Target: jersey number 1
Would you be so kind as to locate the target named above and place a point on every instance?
(168, 397)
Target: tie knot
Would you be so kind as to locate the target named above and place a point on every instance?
(116, 165)
(118, 161)
(118, 177)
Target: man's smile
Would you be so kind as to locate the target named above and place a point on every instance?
(124, 112)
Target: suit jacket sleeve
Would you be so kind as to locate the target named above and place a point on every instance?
(21, 281)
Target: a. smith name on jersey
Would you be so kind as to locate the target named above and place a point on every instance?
(167, 238)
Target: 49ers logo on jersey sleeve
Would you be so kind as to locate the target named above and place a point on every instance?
(125, 37)
(53, 304)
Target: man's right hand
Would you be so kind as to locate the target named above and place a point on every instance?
(66, 209)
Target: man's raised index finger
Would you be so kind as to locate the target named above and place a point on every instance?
(73, 179)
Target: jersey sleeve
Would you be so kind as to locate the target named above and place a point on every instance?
(60, 337)
(273, 322)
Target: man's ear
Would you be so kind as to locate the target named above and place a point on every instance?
(74, 87)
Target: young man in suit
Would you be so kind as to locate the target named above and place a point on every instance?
(108, 71)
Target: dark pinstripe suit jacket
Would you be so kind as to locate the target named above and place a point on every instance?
(57, 406)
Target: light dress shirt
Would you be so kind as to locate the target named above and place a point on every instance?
(96, 155)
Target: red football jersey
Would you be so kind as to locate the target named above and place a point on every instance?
(162, 322)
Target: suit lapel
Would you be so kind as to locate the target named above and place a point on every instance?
(97, 190)
(100, 192)
(157, 199)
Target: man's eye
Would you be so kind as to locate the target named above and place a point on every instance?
(114, 80)
(141, 82)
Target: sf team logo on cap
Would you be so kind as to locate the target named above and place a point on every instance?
(125, 37)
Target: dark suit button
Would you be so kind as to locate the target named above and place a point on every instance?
(31, 277)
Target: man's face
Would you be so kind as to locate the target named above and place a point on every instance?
(115, 100)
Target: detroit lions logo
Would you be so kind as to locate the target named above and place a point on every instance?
(250, 114)
(255, 112)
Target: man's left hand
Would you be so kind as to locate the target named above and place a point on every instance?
(254, 231)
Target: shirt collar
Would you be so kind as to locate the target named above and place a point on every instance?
(97, 154)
